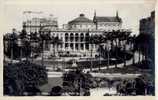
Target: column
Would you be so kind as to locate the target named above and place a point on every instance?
(51, 48)
(63, 40)
(84, 47)
(73, 41)
(79, 46)
(94, 47)
(74, 46)
(63, 48)
(90, 46)
(79, 42)
(68, 46)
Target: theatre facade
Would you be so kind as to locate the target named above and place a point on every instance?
(75, 33)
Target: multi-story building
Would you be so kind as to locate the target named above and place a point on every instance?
(75, 33)
(147, 25)
(74, 42)
(103, 23)
(108, 22)
(37, 24)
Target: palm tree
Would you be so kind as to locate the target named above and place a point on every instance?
(115, 37)
(98, 40)
(22, 40)
(56, 42)
(10, 45)
(123, 36)
(34, 39)
(7, 44)
(13, 39)
(91, 41)
(44, 38)
(109, 38)
(143, 44)
(133, 51)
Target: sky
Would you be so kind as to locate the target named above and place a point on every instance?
(130, 12)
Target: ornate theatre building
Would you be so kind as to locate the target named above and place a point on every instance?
(73, 34)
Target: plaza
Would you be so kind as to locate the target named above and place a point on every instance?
(86, 57)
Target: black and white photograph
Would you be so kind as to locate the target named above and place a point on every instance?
(79, 48)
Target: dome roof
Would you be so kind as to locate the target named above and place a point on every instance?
(81, 18)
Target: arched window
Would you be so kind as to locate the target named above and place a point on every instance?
(87, 46)
(81, 46)
(76, 46)
(66, 37)
(87, 37)
(66, 45)
(71, 37)
(76, 37)
(82, 37)
(71, 45)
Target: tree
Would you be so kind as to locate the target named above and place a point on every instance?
(21, 76)
(43, 39)
(132, 42)
(34, 41)
(10, 41)
(23, 41)
(98, 40)
(92, 40)
(144, 43)
(124, 37)
(56, 42)
(77, 80)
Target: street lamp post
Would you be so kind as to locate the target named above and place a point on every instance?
(12, 40)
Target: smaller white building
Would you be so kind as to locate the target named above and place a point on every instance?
(36, 24)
